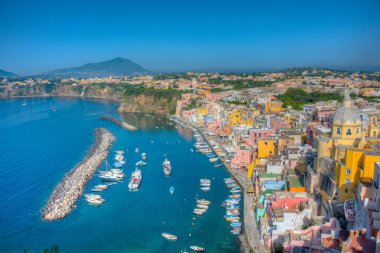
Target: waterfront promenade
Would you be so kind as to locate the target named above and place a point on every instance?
(251, 232)
(68, 191)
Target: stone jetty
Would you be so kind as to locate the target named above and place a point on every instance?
(66, 193)
(119, 123)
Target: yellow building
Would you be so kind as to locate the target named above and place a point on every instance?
(357, 166)
(352, 157)
(235, 118)
(266, 148)
(202, 110)
(273, 107)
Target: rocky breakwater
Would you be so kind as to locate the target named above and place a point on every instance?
(122, 124)
(66, 193)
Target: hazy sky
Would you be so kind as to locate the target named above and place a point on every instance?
(183, 35)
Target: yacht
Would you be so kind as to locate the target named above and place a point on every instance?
(169, 236)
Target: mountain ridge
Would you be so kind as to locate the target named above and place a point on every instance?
(115, 67)
(4, 73)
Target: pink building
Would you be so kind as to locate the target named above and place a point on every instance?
(188, 113)
(214, 96)
(323, 116)
(260, 133)
(243, 157)
(276, 122)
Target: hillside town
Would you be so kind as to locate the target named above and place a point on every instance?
(306, 143)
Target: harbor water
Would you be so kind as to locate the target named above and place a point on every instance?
(38, 146)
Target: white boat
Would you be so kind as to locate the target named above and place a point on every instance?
(205, 189)
(199, 211)
(166, 166)
(94, 199)
(202, 206)
(168, 236)
(197, 249)
(205, 180)
(135, 181)
(119, 152)
(171, 190)
(214, 159)
(141, 163)
(203, 201)
(99, 188)
(119, 158)
(137, 150)
(143, 156)
(205, 184)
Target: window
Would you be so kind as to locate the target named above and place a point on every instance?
(357, 130)
(338, 130)
(348, 172)
(348, 182)
(348, 131)
(265, 143)
(346, 190)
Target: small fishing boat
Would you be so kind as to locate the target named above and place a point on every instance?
(169, 237)
(199, 211)
(197, 249)
(171, 189)
(212, 160)
(202, 206)
(166, 166)
(143, 156)
(203, 201)
(141, 163)
(202, 181)
(119, 152)
(99, 188)
(205, 189)
(218, 165)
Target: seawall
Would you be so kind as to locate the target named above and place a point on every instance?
(119, 123)
(68, 191)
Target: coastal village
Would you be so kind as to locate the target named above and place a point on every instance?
(304, 145)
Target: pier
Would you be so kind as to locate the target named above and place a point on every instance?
(119, 123)
(251, 234)
(68, 191)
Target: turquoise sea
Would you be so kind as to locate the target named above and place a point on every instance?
(38, 146)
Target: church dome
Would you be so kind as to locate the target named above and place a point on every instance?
(346, 114)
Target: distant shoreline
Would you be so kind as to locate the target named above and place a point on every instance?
(62, 96)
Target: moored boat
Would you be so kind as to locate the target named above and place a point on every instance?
(197, 249)
(171, 189)
(166, 166)
(168, 236)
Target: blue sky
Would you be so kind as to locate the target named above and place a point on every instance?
(197, 35)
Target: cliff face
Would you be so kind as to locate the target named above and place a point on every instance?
(62, 90)
(147, 104)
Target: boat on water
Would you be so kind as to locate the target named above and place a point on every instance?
(99, 188)
(205, 189)
(171, 189)
(202, 206)
(205, 181)
(217, 165)
(94, 199)
(141, 163)
(169, 237)
(199, 211)
(203, 201)
(53, 108)
(135, 181)
(197, 249)
(119, 152)
(166, 166)
(143, 156)
(111, 175)
(137, 150)
(214, 159)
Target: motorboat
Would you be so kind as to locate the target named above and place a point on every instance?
(169, 237)
(171, 189)
(202, 206)
(197, 249)
(143, 156)
(218, 165)
(214, 159)
(135, 181)
(141, 163)
(99, 188)
(205, 181)
(203, 201)
(205, 188)
(166, 166)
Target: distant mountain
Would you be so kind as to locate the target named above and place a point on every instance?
(115, 67)
(6, 74)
